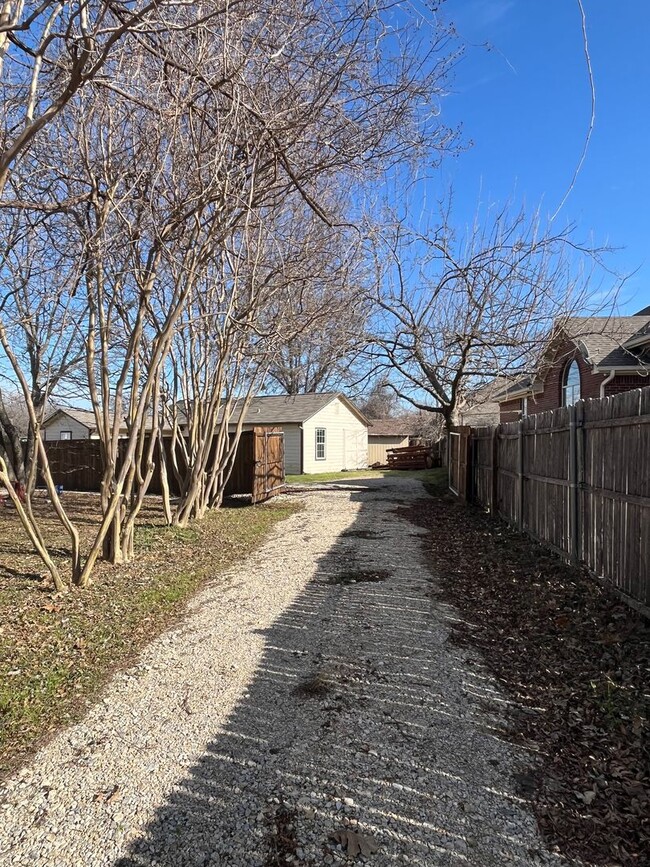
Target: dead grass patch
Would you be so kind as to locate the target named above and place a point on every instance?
(57, 650)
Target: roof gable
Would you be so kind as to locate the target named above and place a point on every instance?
(607, 341)
(84, 417)
(291, 408)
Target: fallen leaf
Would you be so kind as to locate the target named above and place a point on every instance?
(108, 796)
(355, 843)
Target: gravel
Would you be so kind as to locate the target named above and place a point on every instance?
(291, 719)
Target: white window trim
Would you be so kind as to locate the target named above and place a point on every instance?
(65, 438)
(322, 457)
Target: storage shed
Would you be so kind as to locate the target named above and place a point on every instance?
(385, 434)
(323, 433)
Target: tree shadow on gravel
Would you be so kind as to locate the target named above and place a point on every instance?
(399, 756)
(574, 658)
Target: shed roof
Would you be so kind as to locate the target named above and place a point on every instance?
(291, 408)
(390, 427)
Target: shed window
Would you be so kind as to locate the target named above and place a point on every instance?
(571, 385)
(66, 435)
(320, 443)
(524, 407)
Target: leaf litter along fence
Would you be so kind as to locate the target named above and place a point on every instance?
(576, 479)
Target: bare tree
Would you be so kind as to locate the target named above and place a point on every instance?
(40, 314)
(453, 313)
(50, 50)
(174, 161)
(380, 402)
(324, 326)
(223, 345)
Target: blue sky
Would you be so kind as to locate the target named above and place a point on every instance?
(525, 105)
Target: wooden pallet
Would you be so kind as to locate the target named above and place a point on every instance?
(410, 458)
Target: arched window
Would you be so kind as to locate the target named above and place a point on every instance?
(571, 384)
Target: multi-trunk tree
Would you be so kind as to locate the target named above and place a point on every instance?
(167, 149)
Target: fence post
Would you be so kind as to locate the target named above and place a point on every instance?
(520, 475)
(494, 486)
(574, 533)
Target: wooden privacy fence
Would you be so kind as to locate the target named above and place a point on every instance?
(575, 478)
(258, 469)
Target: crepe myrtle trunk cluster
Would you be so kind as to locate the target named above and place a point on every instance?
(178, 185)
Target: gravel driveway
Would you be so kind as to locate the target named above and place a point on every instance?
(310, 691)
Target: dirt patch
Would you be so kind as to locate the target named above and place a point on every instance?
(316, 685)
(360, 534)
(360, 576)
(577, 662)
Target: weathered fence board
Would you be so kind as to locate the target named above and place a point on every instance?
(268, 462)
(576, 479)
(459, 461)
(258, 469)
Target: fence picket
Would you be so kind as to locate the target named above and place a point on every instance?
(577, 479)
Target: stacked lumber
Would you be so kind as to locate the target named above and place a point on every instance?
(410, 458)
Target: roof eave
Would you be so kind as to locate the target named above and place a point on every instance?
(641, 369)
(514, 393)
(638, 340)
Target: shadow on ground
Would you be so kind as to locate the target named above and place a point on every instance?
(361, 720)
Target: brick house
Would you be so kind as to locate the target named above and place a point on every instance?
(590, 357)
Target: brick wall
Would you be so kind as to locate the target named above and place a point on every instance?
(625, 383)
(510, 411)
(590, 382)
(551, 397)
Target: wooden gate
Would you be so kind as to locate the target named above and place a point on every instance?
(259, 464)
(459, 462)
(268, 455)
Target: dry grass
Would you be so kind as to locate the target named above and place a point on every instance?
(57, 650)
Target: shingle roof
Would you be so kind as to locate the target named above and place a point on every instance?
(391, 427)
(85, 417)
(518, 387)
(290, 408)
(603, 338)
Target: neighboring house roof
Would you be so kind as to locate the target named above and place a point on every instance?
(85, 417)
(482, 401)
(519, 388)
(291, 408)
(606, 342)
(391, 427)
